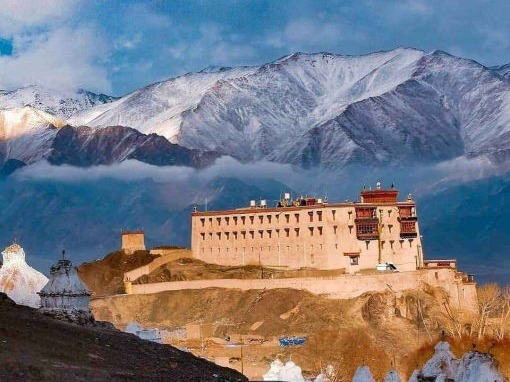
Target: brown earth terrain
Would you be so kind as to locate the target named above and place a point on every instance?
(34, 347)
(187, 268)
(347, 333)
(376, 329)
(106, 276)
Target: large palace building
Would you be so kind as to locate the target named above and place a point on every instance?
(377, 232)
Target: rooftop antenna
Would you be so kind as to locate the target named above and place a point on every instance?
(206, 204)
(63, 254)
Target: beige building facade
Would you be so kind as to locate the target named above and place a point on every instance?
(312, 233)
(132, 241)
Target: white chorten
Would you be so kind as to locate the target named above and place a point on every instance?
(363, 374)
(475, 366)
(290, 373)
(443, 363)
(18, 280)
(274, 371)
(65, 294)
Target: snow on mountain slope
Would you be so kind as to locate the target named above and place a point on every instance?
(26, 134)
(503, 70)
(328, 110)
(18, 280)
(158, 108)
(50, 101)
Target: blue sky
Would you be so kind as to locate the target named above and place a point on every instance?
(118, 46)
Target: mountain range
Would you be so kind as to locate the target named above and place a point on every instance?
(397, 110)
(402, 106)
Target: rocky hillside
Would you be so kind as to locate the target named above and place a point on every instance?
(347, 333)
(35, 347)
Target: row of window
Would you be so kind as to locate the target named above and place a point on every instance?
(251, 219)
(260, 234)
(362, 229)
(269, 218)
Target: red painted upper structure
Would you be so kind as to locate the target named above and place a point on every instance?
(379, 196)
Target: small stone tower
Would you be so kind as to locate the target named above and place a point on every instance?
(132, 241)
(65, 296)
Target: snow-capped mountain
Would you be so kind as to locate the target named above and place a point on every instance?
(503, 70)
(54, 102)
(26, 134)
(159, 108)
(18, 280)
(400, 106)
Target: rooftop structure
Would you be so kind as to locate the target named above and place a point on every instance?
(132, 241)
(376, 232)
(65, 295)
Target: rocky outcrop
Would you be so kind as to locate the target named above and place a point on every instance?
(84, 146)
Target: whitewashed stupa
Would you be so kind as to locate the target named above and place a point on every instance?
(474, 366)
(363, 374)
(18, 280)
(65, 295)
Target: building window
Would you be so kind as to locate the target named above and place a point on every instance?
(235, 235)
(333, 212)
(219, 235)
(311, 230)
(390, 226)
(261, 232)
(297, 231)
(227, 234)
(310, 214)
(203, 236)
(244, 234)
(252, 233)
(319, 215)
(391, 243)
(297, 217)
(269, 219)
(287, 232)
(235, 220)
(389, 213)
(210, 235)
(287, 218)
(269, 232)
(203, 222)
(218, 220)
(210, 222)
(320, 230)
(227, 219)
(243, 219)
(252, 218)
(335, 227)
(277, 232)
(261, 217)
(354, 260)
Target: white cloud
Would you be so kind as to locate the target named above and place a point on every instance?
(62, 59)
(212, 45)
(17, 15)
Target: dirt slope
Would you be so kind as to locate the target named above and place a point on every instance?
(105, 276)
(363, 330)
(34, 347)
